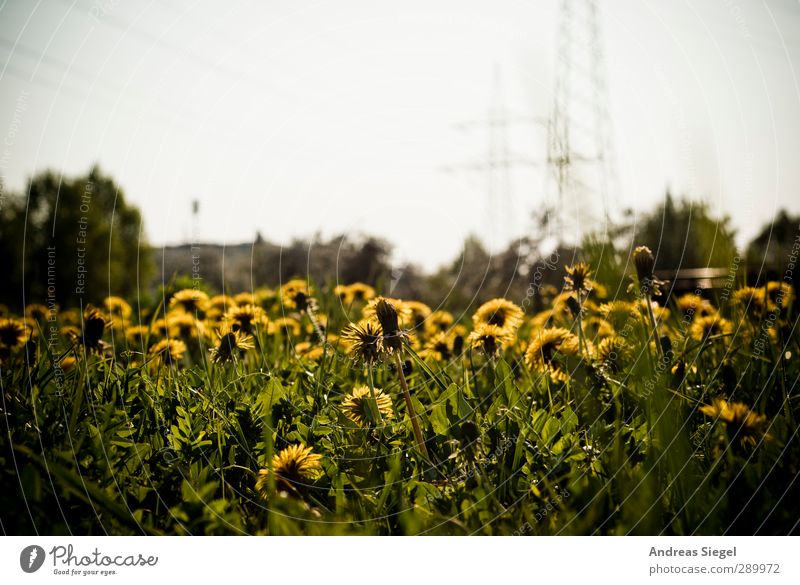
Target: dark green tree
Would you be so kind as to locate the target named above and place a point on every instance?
(772, 248)
(71, 240)
(685, 234)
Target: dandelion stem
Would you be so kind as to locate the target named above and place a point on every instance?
(653, 323)
(581, 338)
(374, 399)
(411, 412)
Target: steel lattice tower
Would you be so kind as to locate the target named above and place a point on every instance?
(581, 187)
(498, 166)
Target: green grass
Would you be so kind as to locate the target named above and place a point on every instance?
(121, 447)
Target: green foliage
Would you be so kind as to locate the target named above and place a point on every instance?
(686, 235)
(71, 238)
(115, 444)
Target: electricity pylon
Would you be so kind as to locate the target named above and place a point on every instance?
(497, 167)
(581, 191)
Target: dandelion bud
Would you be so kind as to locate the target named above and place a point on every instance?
(387, 316)
(645, 263)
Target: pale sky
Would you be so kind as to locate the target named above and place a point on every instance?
(296, 117)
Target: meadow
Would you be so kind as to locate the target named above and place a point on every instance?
(311, 409)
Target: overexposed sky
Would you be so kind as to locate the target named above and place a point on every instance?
(295, 117)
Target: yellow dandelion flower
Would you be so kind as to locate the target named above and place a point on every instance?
(322, 322)
(230, 344)
(547, 350)
(264, 297)
(660, 313)
(94, 324)
(137, 335)
(342, 292)
(245, 298)
(742, 423)
(118, 308)
(578, 278)
(501, 313)
(363, 341)
(167, 352)
(218, 305)
(597, 328)
(439, 347)
(13, 333)
(36, 312)
(404, 313)
(780, 294)
(439, 321)
(692, 306)
(247, 318)
(754, 301)
(70, 317)
(70, 331)
(185, 326)
(189, 300)
(295, 294)
(613, 353)
(160, 328)
(490, 338)
(67, 363)
(361, 292)
(285, 326)
(293, 468)
(358, 292)
(618, 313)
(355, 405)
(419, 313)
(309, 351)
(705, 327)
